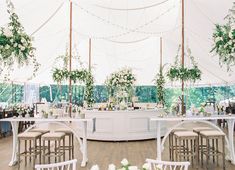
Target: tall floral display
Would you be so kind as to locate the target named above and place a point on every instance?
(224, 40)
(120, 84)
(15, 45)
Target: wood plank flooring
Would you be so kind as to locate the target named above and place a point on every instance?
(102, 153)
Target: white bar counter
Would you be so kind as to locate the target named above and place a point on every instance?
(123, 125)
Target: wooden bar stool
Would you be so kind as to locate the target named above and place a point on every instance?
(200, 145)
(70, 146)
(59, 150)
(172, 147)
(42, 131)
(33, 137)
(186, 143)
(213, 150)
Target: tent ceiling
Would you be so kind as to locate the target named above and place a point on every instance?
(122, 35)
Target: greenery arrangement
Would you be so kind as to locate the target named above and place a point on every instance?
(125, 165)
(15, 44)
(224, 40)
(178, 72)
(83, 75)
(120, 83)
(160, 84)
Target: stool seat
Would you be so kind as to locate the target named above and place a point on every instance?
(212, 133)
(199, 129)
(53, 135)
(178, 129)
(29, 135)
(67, 131)
(43, 131)
(185, 134)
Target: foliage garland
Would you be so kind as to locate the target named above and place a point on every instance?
(224, 40)
(160, 85)
(15, 44)
(121, 81)
(177, 72)
(83, 75)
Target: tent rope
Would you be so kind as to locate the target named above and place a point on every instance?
(52, 16)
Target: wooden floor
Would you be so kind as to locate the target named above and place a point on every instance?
(102, 153)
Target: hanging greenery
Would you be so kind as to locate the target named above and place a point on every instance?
(15, 44)
(178, 72)
(224, 40)
(83, 75)
(160, 84)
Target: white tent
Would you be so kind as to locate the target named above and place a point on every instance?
(123, 33)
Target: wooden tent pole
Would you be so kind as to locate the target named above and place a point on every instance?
(161, 53)
(182, 60)
(89, 54)
(70, 57)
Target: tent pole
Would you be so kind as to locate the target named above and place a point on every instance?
(89, 54)
(160, 53)
(182, 60)
(70, 57)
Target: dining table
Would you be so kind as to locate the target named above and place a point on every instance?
(209, 120)
(64, 121)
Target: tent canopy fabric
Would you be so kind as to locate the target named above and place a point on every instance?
(123, 33)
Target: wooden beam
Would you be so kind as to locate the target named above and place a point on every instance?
(89, 54)
(70, 57)
(160, 52)
(182, 59)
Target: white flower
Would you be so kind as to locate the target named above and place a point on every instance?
(7, 32)
(146, 166)
(22, 48)
(7, 46)
(133, 168)
(95, 167)
(125, 162)
(111, 167)
(15, 45)
(10, 28)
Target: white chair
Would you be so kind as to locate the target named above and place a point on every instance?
(68, 165)
(166, 165)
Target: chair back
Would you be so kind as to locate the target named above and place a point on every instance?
(166, 165)
(68, 165)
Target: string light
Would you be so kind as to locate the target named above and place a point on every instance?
(129, 30)
(132, 9)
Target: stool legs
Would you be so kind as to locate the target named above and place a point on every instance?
(18, 154)
(25, 150)
(64, 149)
(72, 146)
(223, 151)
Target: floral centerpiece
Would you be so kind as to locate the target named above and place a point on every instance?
(178, 72)
(120, 84)
(125, 165)
(15, 44)
(224, 40)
